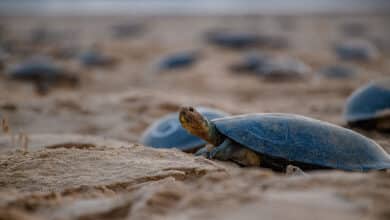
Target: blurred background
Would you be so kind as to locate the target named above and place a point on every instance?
(190, 7)
(67, 60)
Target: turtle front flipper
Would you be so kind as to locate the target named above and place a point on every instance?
(204, 151)
(229, 150)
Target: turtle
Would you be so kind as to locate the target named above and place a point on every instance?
(42, 35)
(337, 71)
(168, 133)
(96, 58)
(178, 60)
(357, 50)
(354, 29)
(125, 30)
(233, 40)
(276, 140)
(249, 63)
(241, 39)
(65, 51)
(3, 58)
(43, 72)
(282, 68)
(369, 106)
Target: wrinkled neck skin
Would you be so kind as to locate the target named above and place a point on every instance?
(214, 136)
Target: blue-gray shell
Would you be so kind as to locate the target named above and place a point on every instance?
(301, 139)
(178, 60)
(95, 58)
(338, 72)
(167, 132)
(34, 68)
(356, 50)
(368, 102)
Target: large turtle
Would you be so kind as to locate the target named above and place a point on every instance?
(277, 140)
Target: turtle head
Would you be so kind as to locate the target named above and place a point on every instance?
(194, 122)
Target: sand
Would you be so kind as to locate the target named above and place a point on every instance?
(81, 159)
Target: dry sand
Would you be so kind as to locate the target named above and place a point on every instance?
(81, 159)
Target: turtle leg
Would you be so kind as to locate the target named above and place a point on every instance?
(204, 151)
(229, 150)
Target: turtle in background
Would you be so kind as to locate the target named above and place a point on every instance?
(338, 71)
(179, 60)
(274, 69)
(250, 63)
(168, 133)
(356, 50)
(43, 72)
(369, 106)
(127, 30)
(96, 58)
(278, 140)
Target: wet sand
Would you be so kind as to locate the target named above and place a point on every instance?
(81, 159)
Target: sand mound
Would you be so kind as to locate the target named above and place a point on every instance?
(76, 177)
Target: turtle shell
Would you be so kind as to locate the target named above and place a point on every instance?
(250, 63)
(167, 132)
(300, 139)
(283, 68)
(359, 50)
(38, 67)
(369, 102)
(96, 58)
(234, 40)
(338, 72)
(179, 60)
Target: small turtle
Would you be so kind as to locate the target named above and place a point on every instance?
(369, 106)
(277, 140)
(274, 41)
(168, 133)
(92, 58)
(354, 29)
(282, 68)
(358, 50)
(40, 35)
(126, 30)
(250, 63)
(234, 40)
(178, 60)
(43, 72)
(64, 51)
(3, 57)
(338, 72)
